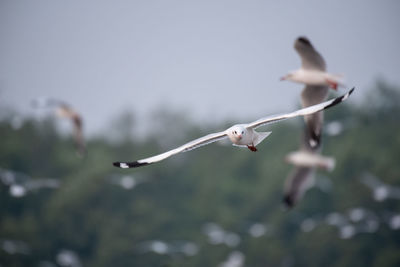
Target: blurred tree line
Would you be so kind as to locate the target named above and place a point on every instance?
(103, 216)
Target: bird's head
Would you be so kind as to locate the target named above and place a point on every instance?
(236, 132)
(288, 76)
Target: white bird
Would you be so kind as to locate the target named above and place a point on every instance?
(20, 183)
(63, 110)
(243, 135)
(306, 161)
(313, 68)
(313, 74)
(381, 190)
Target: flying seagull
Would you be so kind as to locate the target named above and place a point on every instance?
(306, 161)
(63, 110)
(313, 74)
(243, 135)
(381, 191)
(313, 67)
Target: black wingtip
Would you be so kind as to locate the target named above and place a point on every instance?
(340, 98)
(126, 165)
(288, 201)
(304, 40)
(116, 164)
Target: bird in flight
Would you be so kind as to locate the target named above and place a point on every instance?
(313, 67)
(317, 82)
(242, 135)
(63, 110)
(306, 161)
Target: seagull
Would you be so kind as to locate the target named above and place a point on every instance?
(20, 183)
(63, 110)
(313, 74)
(242, 135)
(381, 191)
(313, 67)
(306, 161)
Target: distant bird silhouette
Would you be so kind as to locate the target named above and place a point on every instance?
(63, 110)
(20, 184)
(381, 191)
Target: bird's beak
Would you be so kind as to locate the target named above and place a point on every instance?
(240, 136)
(282, 78)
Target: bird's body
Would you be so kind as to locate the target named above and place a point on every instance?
(304, 158)
(63, 110)
(242, 136)
(314, 77)
(239, 134)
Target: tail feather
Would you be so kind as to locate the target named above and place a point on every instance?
(260, 137)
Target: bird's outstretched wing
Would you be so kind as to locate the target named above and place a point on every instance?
(311, 95)
(301, 112)
(310, 58)
(314, 94)
(296, 184)
(202, 141)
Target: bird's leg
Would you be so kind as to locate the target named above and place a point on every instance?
(332, 84)
(252, 148)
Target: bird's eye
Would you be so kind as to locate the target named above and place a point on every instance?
(242, 132)
(234, 132)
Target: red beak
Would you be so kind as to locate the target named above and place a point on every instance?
(282, 78)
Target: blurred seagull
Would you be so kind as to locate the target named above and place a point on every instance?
(20, 183)
(381, 191)
(313, 74)
(161, 247)
(63, 110)
(127, 182)
(313, 68)
(243, 135)
(305, 160)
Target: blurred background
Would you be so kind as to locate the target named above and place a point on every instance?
(149, 76)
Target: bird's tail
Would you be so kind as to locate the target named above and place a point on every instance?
(260, 136)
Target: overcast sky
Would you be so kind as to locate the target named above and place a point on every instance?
(212, 59)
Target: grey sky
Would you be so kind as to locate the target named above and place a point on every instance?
(213, 59)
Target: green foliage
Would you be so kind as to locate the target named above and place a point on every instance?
(107, 225)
